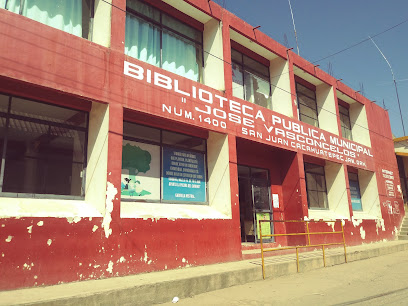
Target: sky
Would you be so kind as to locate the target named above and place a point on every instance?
(325, 27)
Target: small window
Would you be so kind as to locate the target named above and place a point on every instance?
(355, 191)
(160, 40)
(316, 186)
(43, 149)
(250, 80)
(162, 166)
(345, 122)
(73, 16)
(307, 105)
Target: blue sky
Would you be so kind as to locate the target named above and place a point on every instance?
(326, 26)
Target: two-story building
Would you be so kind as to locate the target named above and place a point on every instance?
(141, 136)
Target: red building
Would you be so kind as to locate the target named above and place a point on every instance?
(144, 136)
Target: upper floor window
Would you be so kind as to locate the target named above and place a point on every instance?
(42, 149)
(355, 191)
(161, 40)
(250, 80)
(316, 186)
(73, 16)
(345, 122)
(307, 104)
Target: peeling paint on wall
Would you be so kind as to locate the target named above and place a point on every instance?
(356, 222)
(379, 224)
(111, 192)
(95, 227)
(8, 239)
(30, 229)
(110, 267)
(40, 223)
(49, 241)
(146, 257)
(332, 224)
(28, 266)
(362, 233)
(75, 219)
(122, 259)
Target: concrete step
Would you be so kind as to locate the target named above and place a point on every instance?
(404, 237)
(159, 287)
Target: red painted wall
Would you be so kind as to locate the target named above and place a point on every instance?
(42, 63)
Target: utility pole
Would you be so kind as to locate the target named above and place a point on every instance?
(395, 84)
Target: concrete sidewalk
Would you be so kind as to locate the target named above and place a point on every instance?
(159, 287)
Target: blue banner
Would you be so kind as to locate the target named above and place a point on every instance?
(183, 176)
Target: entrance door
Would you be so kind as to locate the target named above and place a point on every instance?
(254, 203)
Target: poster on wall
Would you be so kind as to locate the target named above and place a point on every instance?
(140, 178)
(266, 226)
(183, 176)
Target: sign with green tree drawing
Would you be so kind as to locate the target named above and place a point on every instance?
(140, 171)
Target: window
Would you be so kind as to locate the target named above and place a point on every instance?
(345, 122)
(162, 166)
(43, 149)
(307, 105)
(316, 186)
(250, 80)
(158, 39)
(73, 16)
(355, 191)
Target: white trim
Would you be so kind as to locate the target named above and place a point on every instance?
(169, 211)
(363, 215)
(27, 207)
(322, 214)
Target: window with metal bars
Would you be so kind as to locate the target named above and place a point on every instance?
(43, 149)
(316, 186)
(157, 38)
(345, 122)
(307, 105)
(250, 80)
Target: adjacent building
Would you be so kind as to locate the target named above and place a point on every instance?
(140, 136)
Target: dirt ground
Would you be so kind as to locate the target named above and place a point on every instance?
(376, 281)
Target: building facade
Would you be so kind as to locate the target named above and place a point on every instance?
(141, 136)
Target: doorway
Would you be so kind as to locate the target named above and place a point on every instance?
(254, 203)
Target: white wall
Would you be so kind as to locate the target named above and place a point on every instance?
(359, 125)
(213, 55)
(219, 188)
(336, 194)
(280, 83)
(96, 170)
(326, 107)
(369, 196)
(101, 33)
